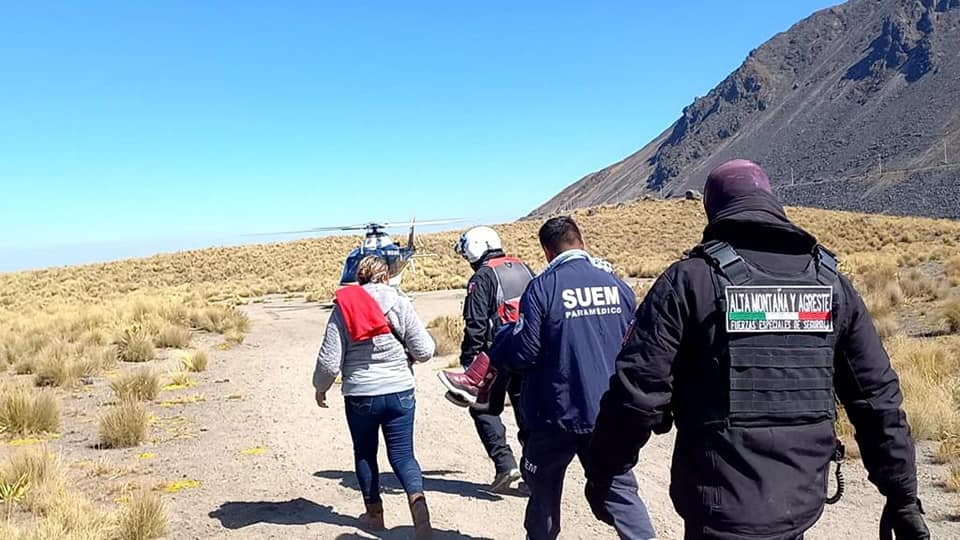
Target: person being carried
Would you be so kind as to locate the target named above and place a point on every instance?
(372, 337)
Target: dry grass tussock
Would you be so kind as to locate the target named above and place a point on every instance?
(44, 476)
(51, 508)
(173, 336)
(67, 343)
(123, 425)
(929, 372)
(70, 517)
(917, 284)
(134, 345)
(57, 362)
(63, 364)
(181, 379)
(953, 478)
(59, 340)
(949, 450)
(196, 362)
(233, 337)
(142, 385)
(882, 294)
(951, 315)
(929, 375)
(951, 268)
(28, 411)
(144, 517)
(447, 332)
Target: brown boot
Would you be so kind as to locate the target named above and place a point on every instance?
(421, 517)
(372, 519)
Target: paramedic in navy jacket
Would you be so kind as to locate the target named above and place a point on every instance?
(573, 317)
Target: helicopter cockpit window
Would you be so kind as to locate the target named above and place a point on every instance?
(350, 267)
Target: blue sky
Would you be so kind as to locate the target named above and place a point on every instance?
(130, 128)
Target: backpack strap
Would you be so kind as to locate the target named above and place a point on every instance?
(396, 336)
(499, 294)
(725, 260)
(826, 260)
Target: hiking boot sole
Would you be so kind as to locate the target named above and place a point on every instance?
(465, 398)
(456, 400)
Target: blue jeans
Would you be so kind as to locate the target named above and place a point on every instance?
(393, 413)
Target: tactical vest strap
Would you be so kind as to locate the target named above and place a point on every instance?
(827, 272)
(727, 261)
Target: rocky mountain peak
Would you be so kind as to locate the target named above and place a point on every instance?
(844, 94)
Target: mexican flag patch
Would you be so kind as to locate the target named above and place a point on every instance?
(779, 309)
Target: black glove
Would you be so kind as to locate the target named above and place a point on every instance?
(596, 494)
(905, 519)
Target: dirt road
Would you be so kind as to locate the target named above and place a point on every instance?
(268, 463)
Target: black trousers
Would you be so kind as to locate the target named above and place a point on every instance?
(546, 456)
(492, 432)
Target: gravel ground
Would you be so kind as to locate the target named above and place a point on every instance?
(258, 459)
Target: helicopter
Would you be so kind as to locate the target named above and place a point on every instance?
(377, 242)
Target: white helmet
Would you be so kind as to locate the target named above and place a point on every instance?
(474, 243)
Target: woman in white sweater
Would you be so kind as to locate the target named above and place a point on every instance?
(373, 337)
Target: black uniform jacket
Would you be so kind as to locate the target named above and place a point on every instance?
(720, 482)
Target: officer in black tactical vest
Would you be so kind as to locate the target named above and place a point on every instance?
(746, 345)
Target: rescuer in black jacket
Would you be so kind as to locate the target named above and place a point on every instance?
(492, 299)
(742, 345)
(479, 310)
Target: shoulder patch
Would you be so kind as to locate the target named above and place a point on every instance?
(471, 287)
(759, 309)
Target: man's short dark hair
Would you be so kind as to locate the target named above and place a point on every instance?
(560, 233)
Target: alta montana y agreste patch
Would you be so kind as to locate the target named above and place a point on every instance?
(779, 309)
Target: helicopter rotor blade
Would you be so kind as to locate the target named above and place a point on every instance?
(278, 233)
(360, 227)
(424, 222)
(312, 230)
(357, 227)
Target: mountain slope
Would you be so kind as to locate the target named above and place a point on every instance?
(852, 108)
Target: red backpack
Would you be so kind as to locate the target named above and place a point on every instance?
(512, 279)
